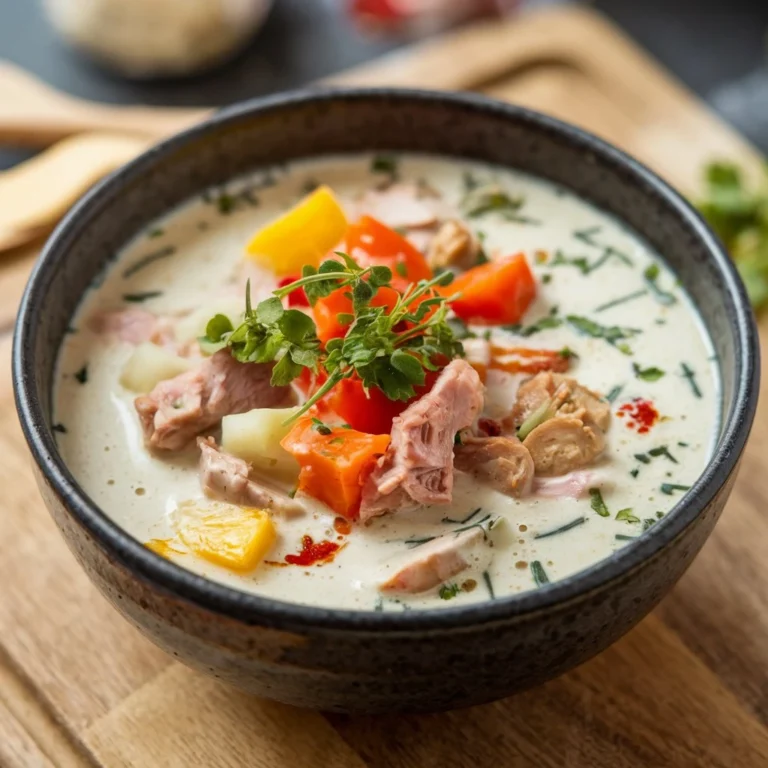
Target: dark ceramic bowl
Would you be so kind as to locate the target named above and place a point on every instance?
(364, 661)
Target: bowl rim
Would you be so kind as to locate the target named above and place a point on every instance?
(251, 608)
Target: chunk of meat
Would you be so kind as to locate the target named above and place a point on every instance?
(572, 399)
(398, 205)
(574, 485)
(133, 326)
(178, 409)
(454, 245)
(503, 462)
(564, 443)
(227, 478)
(430, 564)
(418, 465)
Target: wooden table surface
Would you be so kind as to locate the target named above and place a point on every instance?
(687, 687)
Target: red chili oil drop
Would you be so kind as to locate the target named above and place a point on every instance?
(311, 553)
(342, 526)
(642, 413)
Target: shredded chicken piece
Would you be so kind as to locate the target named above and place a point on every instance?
(227, 478)
(454, 245)
(178, 409)
(436, 561)
(418, 465)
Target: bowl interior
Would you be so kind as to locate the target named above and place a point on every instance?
(273, 131)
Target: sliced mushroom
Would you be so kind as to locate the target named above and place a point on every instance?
(503, 462)
(454, 245)
(563, 444)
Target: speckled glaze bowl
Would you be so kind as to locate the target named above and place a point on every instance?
(377, 662)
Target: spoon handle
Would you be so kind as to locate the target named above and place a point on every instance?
(33, 114)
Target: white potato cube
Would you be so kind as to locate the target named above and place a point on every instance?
(255, 437)
(148, 365)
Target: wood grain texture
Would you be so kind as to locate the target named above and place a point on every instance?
(688, 687)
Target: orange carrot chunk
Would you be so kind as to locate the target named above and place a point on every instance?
(334, 462)
(495, 293)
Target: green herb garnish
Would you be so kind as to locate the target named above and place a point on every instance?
(621, 300)
(472, 514)
(690, 374)
(82, 374)
(385, 164)
(627, 516)
(153, 233)
(545, 323)
(489, 584)
(150, 258)
(60, 428)
(614, 393)
(613, 334)
(670, 488)
(448, 591)
(320, 427)
(137, 298)
(562, 529)
(491, 198)
(651, 275)
(662, 450)
(597, 503)
(539, 574)
(642, 458)
(647, 374)
(624, 537)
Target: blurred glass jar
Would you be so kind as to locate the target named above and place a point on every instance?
(156, 38)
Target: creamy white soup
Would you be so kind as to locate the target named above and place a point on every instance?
(564, 390)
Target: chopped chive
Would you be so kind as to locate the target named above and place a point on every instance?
(562, 529)
(627, 516)
(466, 519)
(670, 488)
(550, 321)
(336, 441)
(634, 472)
(613, 334)
(153, 233)
(662, 450)
(150, 258)
(651, 275)
(642, 458)
(621, 300)
(690, 374)
(647, 374)
(624, 537)
(82, 374)
(648, 522)
(597, 503)
(489, 584)
(59, 428)
(137, 298)
(385, 164)
(614, 393)
(682, 445)
(378, 606)
(320, 427)
(539, 574)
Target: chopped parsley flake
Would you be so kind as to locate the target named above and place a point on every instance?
(647, 374)
(539, 574)
(597, 503)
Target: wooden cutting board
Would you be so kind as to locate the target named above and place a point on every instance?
(687, 687)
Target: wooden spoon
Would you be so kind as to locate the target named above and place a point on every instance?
(32, 114)
(35, 194)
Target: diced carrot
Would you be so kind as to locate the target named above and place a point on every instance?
(369, 242)
(495, 293)
(333, 463)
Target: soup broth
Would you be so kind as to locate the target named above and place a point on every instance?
(609, 322)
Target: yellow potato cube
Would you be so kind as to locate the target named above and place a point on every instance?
(303, 235)
(234, 537)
